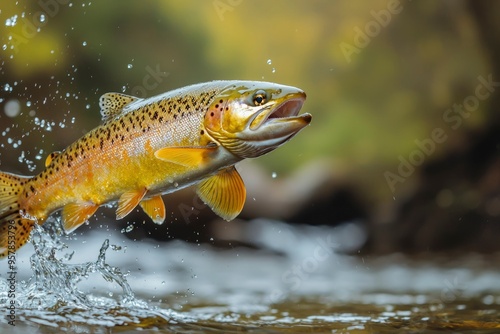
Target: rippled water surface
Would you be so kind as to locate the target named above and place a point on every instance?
(297, 281)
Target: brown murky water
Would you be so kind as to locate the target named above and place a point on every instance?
(297, 282)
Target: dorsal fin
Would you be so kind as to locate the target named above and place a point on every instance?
(111, 104)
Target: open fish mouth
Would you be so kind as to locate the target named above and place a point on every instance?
(288, 108)
(274, 125)
(286, 111)
(270, 126)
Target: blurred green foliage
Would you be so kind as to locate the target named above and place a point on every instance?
(368, 108)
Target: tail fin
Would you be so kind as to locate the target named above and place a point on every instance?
(14, 228)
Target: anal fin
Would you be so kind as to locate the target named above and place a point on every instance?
(128, 201)
(224, 193)
(154, 207)
(75, 214)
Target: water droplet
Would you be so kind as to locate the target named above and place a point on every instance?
(87, 106)
(12, 108)
(10, 22)
(274, 175)
(273, 70)
(129, 66)
(84, 43)
(28, 103)
(42, 17)
(269, 62)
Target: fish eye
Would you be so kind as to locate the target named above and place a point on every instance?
(259, 98)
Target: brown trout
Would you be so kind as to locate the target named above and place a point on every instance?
(149, 147)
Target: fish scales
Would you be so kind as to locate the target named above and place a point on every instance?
(167, 122)
(148, 147)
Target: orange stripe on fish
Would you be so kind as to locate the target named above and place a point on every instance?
(148, 147)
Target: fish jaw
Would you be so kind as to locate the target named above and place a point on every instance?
(280, 120)
(250, 131)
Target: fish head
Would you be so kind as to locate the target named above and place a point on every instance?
(252, 118)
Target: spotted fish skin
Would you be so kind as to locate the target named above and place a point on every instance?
(148, 147)
(113, 155)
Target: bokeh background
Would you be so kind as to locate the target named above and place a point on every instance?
(388, 148)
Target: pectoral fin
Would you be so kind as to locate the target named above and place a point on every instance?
(186, 156)
(75, 214)
(128, 201)
(224, 193)
(155, 208)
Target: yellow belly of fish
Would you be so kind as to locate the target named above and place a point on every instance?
(101, 181)
(131, 180)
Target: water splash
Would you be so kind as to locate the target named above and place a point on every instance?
(52, 294)
(54, 281)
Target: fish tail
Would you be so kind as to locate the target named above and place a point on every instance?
(15, 229)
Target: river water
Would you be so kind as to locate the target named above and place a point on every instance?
(297, 279)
